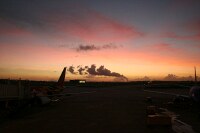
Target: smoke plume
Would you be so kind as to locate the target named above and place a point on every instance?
(94, 71)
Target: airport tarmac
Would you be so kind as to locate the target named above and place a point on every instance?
(116, 109)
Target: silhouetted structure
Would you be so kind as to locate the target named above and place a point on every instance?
(77, 81)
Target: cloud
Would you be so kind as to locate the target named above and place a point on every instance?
(81, 70)
(145, 78)
(67, 19)
(87, 47)
(10, 29)
(194, 25)
(172, 77)
(91, 47)
(109, 46)
(192, 28)
(96, 27)
(71, 70)
(102, 71)
(94, 71)
(164, 47)
(173, 35)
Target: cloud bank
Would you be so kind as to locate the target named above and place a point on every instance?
(173, 77)
(94, 71)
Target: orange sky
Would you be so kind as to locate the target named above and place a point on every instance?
(39, 41)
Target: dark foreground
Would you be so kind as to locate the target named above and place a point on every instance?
(118, 109)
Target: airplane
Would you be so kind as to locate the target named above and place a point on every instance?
(194, 92)
(46, 94)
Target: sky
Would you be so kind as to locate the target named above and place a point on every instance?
(100, 40)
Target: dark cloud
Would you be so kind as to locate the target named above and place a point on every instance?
(94, 71)
(81, 70)
(91, 47)
(87, 48)
(102, 71)
(105, 72)
(71, 70)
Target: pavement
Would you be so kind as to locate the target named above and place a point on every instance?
(114, 109)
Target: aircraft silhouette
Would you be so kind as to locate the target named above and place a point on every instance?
(46, 94)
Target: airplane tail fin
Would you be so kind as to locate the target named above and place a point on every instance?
(62, 78)
(195, 75)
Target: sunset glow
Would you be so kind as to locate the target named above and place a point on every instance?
(131, 39)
